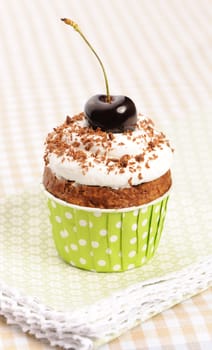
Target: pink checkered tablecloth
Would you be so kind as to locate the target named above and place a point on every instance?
(159, 53)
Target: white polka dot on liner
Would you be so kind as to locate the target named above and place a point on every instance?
(134, 227)
(64, 233)
(144, 210)
(58, 219)
(157, 209)
(83, 222)
(118, 224)
(103, 232)
(132, 254)
(144, 247)
(151, 240)
(144, 235)
(68, 215)
(101, 262)
(74, 246)
(82, 242)
(66, 249)
(133, 240)
(144, 222)
(108, 251)
(95, 244)
(113, 238)
(135, 213)
(82, 261)
(116, 267)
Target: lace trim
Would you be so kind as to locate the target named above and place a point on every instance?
(107, 318)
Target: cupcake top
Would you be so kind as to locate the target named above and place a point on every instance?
(76, 152)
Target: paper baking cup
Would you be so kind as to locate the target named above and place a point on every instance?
(106, 240)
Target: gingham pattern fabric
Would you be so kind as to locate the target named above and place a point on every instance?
(157, 52)
(185, 326)
(173, 329)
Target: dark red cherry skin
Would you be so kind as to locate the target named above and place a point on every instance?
(116, 116)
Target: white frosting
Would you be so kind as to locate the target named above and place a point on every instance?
(101, 165)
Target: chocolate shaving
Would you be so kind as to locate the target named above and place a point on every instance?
(124, 160)
(64, 141)
(139, 157)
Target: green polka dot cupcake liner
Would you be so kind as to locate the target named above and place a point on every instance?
(106, 240)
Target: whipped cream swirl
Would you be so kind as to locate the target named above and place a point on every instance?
(77, 153)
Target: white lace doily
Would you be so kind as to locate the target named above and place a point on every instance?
(101, 321)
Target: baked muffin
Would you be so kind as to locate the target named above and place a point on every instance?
(107, 193)
(107, 178)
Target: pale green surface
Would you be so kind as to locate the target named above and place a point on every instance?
(107, 241)
(29, 262)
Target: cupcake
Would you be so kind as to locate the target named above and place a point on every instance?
(107, 178)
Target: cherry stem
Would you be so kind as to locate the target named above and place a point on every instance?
(76, 27)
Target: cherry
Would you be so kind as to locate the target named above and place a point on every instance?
(115, 116)
(109, 113)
